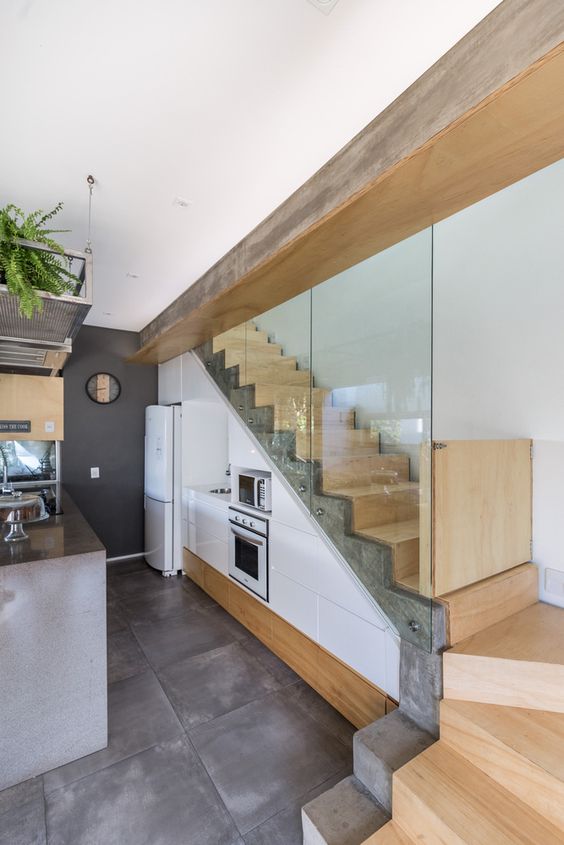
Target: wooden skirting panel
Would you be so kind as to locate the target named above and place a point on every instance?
(356, 698)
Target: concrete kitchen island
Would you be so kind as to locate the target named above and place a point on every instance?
(53, 686)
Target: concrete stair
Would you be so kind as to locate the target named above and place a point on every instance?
(344, 815)
(383, 747)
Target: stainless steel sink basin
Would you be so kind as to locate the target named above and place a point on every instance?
(220, 490)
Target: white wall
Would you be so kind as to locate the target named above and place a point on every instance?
(499, 337)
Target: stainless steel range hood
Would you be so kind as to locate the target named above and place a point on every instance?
(44, 341)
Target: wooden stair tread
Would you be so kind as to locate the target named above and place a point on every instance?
(390, 834)
(441, 792)
(372, 489)
(535, 634)
(411, 582)
(537, 735)
(393, 532)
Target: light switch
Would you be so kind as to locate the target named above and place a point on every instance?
(94, 472)
(49, 427)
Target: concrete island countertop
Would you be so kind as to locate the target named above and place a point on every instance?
(53, 694)
(59, 536)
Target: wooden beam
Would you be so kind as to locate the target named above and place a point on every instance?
(488, 113)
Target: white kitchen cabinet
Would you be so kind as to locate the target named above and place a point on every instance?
(287, 511)
(242, 450)
(392, 664)
(212, 520)
(170, 382)
(210, 549)
(295, 603)
(204, 442)
(353, 640)
(294, 554)
(339, 586)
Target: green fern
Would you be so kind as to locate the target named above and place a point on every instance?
(26, 270)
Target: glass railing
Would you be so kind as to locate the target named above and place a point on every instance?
(335, 385)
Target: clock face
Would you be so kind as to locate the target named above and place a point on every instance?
(103, 388)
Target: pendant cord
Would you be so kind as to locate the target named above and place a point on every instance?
(91, 182)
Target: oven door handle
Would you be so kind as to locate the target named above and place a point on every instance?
(250, 536)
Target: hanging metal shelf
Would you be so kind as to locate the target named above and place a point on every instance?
(44, 341)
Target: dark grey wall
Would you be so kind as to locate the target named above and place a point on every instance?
(108, 436)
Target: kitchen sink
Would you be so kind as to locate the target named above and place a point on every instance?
(220, 490)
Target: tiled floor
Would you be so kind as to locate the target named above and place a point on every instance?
(213, 740)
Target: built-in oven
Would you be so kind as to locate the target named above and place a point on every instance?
(248, 551)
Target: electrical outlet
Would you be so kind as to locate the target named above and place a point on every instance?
(49, 427)
(554, 582)
(94, 472)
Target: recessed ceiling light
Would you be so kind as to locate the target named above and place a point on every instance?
(182, 202)
(324, 6)
(132, 275)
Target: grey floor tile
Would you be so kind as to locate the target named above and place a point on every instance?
(211, 684)
(197, 593)
(161, 796)
(22, 814)
(125, 658)
(141, 583)
(320, 710)
(285, 828)
(139, 716)
(174, 639)
(115, 618)
(265, 755)
(238, 631)
(281, 671)
(126, 567)
(156, 606)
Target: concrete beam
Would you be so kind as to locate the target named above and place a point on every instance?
(514, 41)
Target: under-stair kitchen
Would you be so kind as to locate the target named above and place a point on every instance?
(281, 448)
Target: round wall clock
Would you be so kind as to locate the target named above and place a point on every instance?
(103, 388)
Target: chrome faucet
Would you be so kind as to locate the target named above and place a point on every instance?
(6, 486)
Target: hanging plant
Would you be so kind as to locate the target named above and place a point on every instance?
(26, 270)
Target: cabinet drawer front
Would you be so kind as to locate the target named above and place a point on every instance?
(212, 520)
(210, 549)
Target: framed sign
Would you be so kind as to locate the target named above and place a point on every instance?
(15, 426)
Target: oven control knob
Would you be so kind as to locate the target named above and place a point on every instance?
(237, 519)
(244, 522)
(252, 524)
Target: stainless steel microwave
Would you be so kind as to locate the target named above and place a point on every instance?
(254, 489)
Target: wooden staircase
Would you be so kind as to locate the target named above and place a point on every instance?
(384, 503)
(496, 776)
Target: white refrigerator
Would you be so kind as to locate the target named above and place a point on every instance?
(163, 488)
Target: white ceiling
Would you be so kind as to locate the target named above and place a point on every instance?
(231, 104)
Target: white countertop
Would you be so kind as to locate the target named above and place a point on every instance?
(203, 491)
